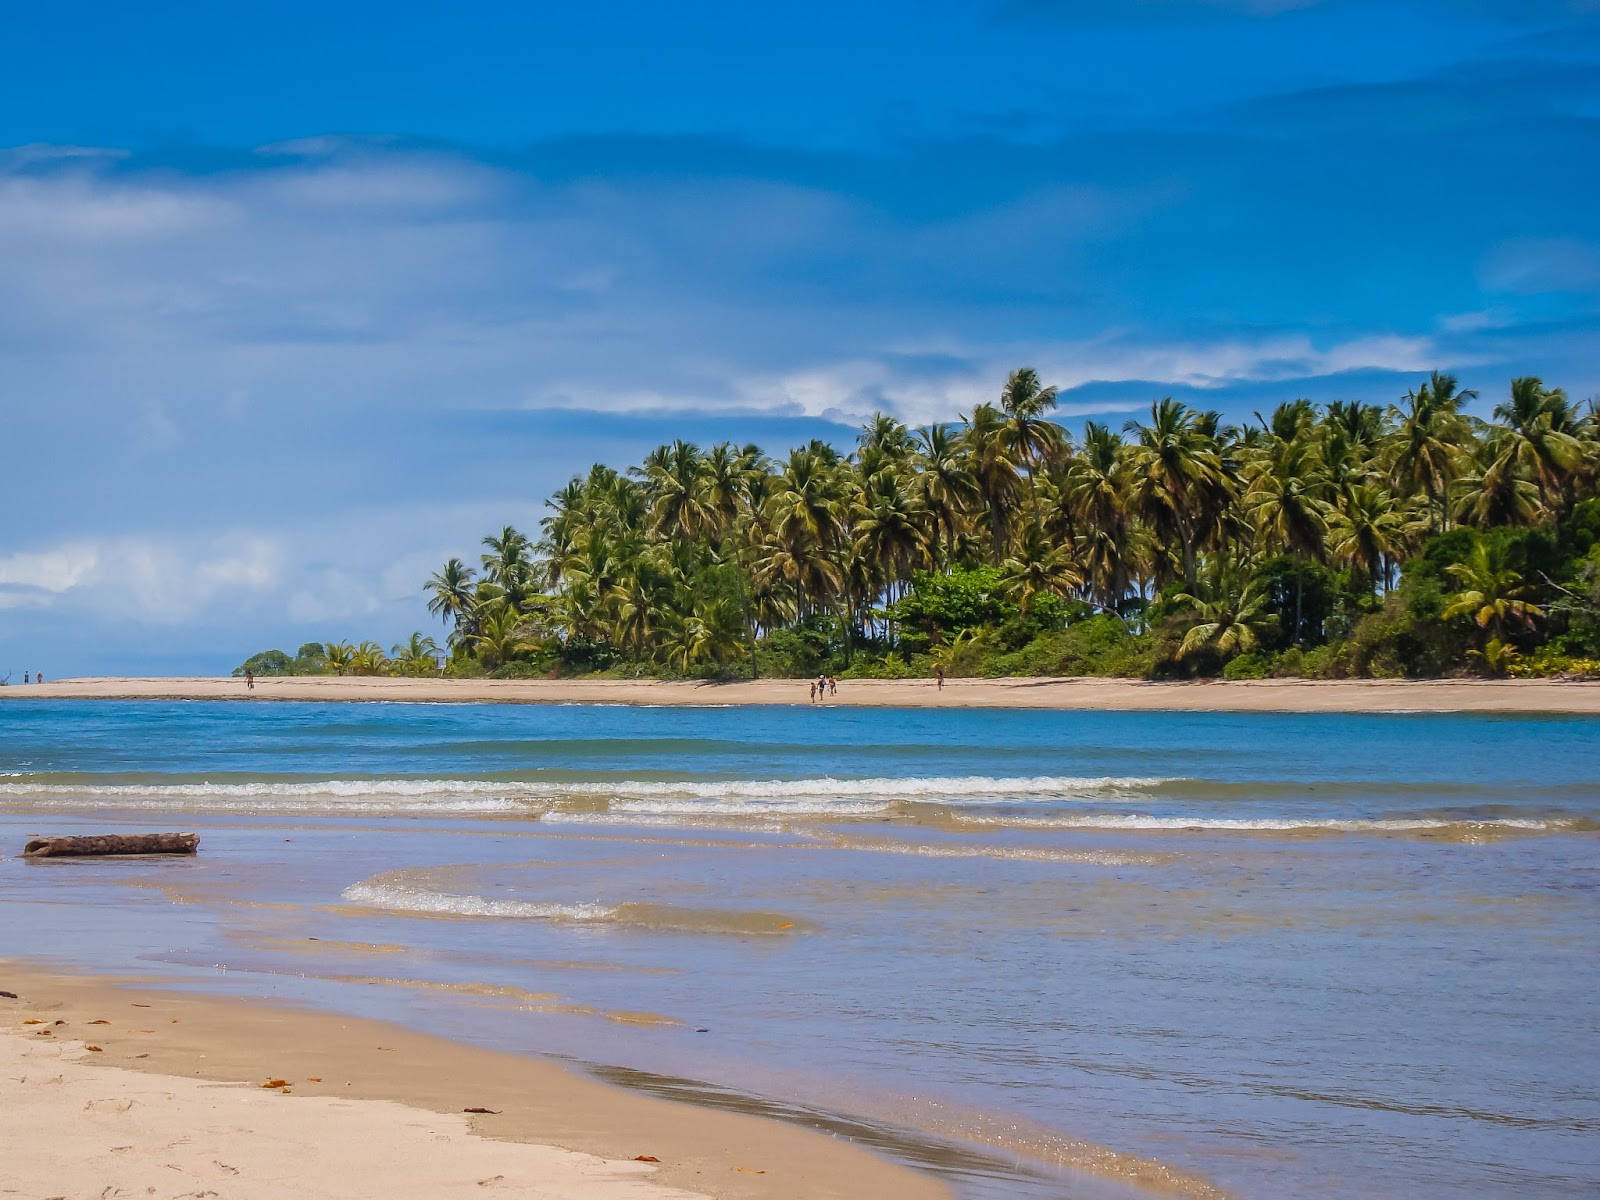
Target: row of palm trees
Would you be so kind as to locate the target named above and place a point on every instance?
(690, 557)
(417, 655)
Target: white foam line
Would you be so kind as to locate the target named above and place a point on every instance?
(405, 899)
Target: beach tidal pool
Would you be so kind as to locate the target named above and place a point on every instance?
(1055, 954)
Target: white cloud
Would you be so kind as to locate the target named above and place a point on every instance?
(157, 580)
(56, 570)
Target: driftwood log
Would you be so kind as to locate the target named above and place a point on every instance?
(112, 843)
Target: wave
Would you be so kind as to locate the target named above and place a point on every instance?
(1109, 803)
(406, 899)
(1140, 821)
(825, 794)
(400, 898)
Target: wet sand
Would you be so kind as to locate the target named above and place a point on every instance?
(360, 1109)
(1126, 695)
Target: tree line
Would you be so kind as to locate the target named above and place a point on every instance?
(1351, 538)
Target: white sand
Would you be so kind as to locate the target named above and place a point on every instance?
(79, 1131)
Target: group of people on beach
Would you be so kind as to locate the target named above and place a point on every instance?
(824, 687)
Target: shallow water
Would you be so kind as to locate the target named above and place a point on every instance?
(1045, 953)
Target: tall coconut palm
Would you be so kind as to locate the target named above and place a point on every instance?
(451, 592)
(1095, 489)
(805, 526)
(1180, 485)
(891, 530)
(509, 565)
(1032, 437)
(1040, 567)
(1543, 429)
(990, 448)
(1368, 532)
(1496, 492)
(1429, 442)
(1283, 498)
(944, 485)
(725, 492)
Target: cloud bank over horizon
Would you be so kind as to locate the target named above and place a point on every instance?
(258, 389)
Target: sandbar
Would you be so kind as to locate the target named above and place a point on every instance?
(1112, 695)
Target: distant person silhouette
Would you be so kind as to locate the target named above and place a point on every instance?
(25, 678)
(250, 681)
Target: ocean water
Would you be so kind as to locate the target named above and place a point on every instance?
(1045, 954)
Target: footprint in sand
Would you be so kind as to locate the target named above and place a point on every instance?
(114, 1104)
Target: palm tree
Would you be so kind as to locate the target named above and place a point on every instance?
(340, 656)
(368, 659)
(1495, 491)
(1543, 429)
(1181, 487)
(725, 474)
(1031, 438)
(509, 565)
(684, 641)
(499, 638)
(990, 448)
(1095, 491)
(1229, 610)
(945, 487)
(1429, 442)
(891, 530)
(674, 476)
(1283, 497)
(805, 525)
(418, 655)
(1492, 595)
(1368, 532)
(1039, 568)
(452, 595)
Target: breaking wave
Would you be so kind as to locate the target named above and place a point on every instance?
(826, 796)
(391, 895)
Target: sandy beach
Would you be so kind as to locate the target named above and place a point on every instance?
(1125, 695)
(112, 1091)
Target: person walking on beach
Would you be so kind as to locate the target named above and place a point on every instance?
(25, 678)
(813, 691)
(938, 676)
(833, 686)
(250, 681)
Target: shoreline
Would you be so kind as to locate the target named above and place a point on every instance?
(152, 1083)
(1525, 696)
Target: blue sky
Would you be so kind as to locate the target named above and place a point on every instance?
(300, 300)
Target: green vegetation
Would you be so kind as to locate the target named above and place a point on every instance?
(1321, 542)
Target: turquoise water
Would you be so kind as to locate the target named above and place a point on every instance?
(1288, 955)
